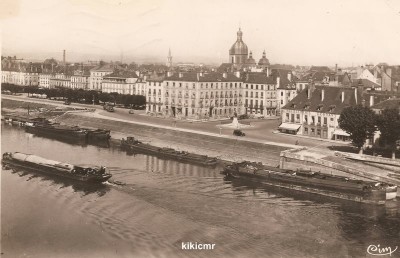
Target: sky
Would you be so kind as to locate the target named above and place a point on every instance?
(307, 32)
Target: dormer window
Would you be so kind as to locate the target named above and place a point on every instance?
(332, 108)
(293, 105)
(319, 107)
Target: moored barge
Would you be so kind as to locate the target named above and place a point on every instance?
(134, 145)
(313, 182)
(58, 130)
(51, 167)
(70, 132)
(98, 134)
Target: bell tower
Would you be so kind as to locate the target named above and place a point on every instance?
(169, 62)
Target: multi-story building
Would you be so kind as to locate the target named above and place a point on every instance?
(155, 93)
(122, 82)
(286, 87)
(140, 88)
(96, 75)
(80, 79)
(259, 94)
(315, 111)
(60, 80)
(203, 95)
(388, 77)
(21, 74)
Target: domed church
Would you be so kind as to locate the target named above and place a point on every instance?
(241, 59)
(239, 51)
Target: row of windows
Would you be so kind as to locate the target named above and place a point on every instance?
(255, 87)
(255, 95)
(313, 119)
(247, 101)
(206, 85)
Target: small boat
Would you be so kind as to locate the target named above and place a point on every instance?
(134, 145)
(51, 167)
(313, 182)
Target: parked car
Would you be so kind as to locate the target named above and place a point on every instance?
(131, 111)
(67, 102)
(238, 132)
(108, 108)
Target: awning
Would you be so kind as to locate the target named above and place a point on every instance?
(340, 132)
(288, 126)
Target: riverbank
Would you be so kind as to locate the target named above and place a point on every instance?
(224, 147)
(201, 141)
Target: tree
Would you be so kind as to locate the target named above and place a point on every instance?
(389, 125)
(359, 123)
(104, 97)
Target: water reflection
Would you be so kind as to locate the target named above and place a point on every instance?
(164, 202)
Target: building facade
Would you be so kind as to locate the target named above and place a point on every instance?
(259, 94)
(122, 82)
(44, 79)
(96, 76)
(315, 111)
(203, 95)
(155, 94)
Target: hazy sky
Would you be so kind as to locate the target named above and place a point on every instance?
(296, 32)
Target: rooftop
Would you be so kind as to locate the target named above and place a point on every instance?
(332, 101)
(388, 104)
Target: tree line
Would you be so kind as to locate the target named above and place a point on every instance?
(79, 95)
(361, 123)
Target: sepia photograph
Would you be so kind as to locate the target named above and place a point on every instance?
(200, 128)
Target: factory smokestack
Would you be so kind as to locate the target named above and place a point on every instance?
(64, 56)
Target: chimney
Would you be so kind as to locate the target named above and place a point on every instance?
(237, 73)
(225, 75)
(355, 95)
(289, 76)
(342, 96)
(310, 90)
(180, 75)
(278, 82)
(389, 72)
(322, 94)
(371, 100)
(169, 73)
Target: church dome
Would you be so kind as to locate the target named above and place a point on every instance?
(239, 48)
(250, 60)
(264, 60)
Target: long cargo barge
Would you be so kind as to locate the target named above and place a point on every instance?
(32, 162)
(70, 132)
(313, 182)
(57, 130)
(133, 145)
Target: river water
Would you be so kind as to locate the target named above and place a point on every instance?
(165, 203)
